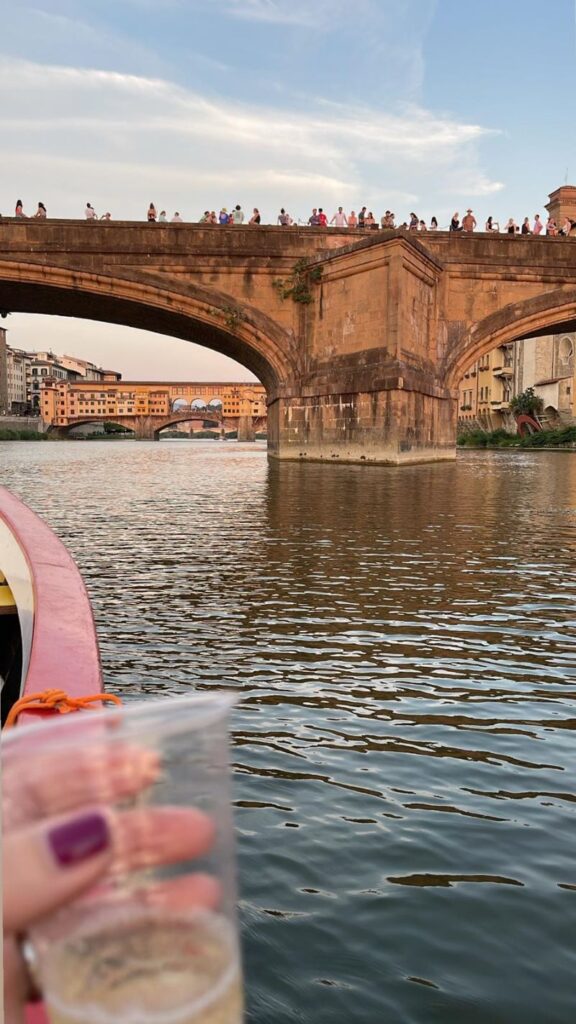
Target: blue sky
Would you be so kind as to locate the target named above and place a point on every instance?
(432, 105)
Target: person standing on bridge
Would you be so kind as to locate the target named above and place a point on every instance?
(255, 218)
(176, 219)
(90, 212)
(284, 219)
(525, 229)
(151, 214)
(340, 219)
(237, 214)
(538, 226)
(455, 222)
(352, 220)
(551, 226)
(469, 222)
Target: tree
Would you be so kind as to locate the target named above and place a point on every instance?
(527, 403)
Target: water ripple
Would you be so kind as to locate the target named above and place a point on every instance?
(404, 644)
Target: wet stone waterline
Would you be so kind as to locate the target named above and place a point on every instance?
(404, 644)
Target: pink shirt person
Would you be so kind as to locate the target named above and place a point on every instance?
(538, 225)
(340, 219)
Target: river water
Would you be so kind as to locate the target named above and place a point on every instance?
(404, 644)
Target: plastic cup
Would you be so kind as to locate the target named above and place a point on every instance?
(155, 940)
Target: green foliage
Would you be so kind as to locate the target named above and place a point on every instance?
(233, 317)
(501, 439)
(297, 286)
(526, 403)
(550, 438)
(21, 435)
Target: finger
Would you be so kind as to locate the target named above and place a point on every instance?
(44, 867)
(160, 835)
(197, 891)
(45, 786)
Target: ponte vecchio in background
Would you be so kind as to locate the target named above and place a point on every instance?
(360, 338)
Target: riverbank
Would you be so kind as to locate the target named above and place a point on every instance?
(545, 440)
(7, 434)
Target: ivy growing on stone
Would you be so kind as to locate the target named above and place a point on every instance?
(297, 285)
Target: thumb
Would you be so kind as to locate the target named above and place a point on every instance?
(49, 863)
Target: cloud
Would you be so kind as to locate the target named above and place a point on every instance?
(276, 12)
(123, 139)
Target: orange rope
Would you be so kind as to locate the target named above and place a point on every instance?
(55, 700)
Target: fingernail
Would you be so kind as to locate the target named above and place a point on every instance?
(79, 839)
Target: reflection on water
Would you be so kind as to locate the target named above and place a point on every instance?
(405, 646)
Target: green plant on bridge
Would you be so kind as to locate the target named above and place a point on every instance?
(231, 315)
(526, 403)
(297, 285)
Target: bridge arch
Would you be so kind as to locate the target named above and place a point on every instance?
(65, 429)
(549, 313)
(193, 415)
(154, 302)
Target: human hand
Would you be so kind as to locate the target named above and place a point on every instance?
(62, 834)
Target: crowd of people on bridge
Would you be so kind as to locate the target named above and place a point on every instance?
(364, 220)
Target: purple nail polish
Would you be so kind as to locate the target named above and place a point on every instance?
(79, 839)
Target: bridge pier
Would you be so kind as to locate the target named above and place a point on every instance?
(390, 427)
(145, 429)
(246, 430)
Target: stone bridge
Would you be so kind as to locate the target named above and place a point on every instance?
(359, 338)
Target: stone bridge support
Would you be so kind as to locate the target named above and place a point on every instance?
(144, 428)
(370, 391)
(392, 426)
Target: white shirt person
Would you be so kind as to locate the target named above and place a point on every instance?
(340, 219)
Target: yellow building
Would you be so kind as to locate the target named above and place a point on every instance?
(486, 389)
(547, 364)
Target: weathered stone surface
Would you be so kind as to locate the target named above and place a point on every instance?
(367, 370)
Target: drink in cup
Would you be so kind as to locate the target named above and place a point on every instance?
(155, 940)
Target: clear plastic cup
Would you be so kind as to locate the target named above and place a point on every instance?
(155, 940)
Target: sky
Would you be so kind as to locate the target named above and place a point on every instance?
(425, 105)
